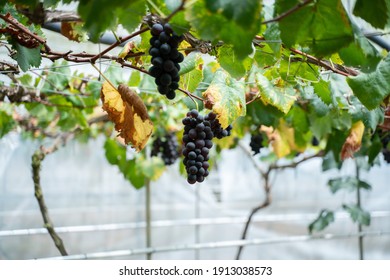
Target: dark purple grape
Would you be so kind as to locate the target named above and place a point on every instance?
(156, 29)
(165, 48)
(163, 37)
(155, 71)
(192, 155)
(168, 29)
(157, 61)
(154, 52)
(171, 94)
(165, 79)
(168, 65)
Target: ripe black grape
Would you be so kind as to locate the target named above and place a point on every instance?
(167, 147)
(385, 140)
(314, 141)
(256, 143)
(386, 155)
(165, 59)
(194, 151)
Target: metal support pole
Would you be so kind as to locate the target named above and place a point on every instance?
(148, 218)
(197, 216)
(358, 198)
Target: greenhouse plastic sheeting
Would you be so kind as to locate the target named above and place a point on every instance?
(81, 188)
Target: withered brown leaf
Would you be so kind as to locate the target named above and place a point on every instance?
(127, 110)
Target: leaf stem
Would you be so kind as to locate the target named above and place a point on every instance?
(108, 80)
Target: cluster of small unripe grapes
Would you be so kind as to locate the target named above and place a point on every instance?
(167, 148)
(197, 142)
(256, 143)
(165, 59)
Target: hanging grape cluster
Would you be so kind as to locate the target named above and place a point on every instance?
(314, 141)
(165, 59)
(167, 148)
(256, 143)
(197, 142)
(216, 127)
(385, 139)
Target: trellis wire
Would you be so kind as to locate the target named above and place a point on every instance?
(187, 222)
(215, 245)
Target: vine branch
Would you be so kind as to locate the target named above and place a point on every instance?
(289, 12)
(36, 161)
(267, 186)
(22, 28)
(336, 68)
(178, 9)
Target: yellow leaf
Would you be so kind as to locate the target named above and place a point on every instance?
(127, 110)
(354, 140)
(73, 31)
(281, 139)
(126, 49)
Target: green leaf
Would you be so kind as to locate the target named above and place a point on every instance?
(280, 97)
(322, 90)
(132, 14)
(347, 183)
(7, 123)
(336, 140)
(358, 214)
(228, 60)
(372, 88)
(272, 35)
(320, 126)
(374, 12)
(262, 114)
(94, 88)
(324, 219)
(265, 56)
(100, 15)
(374, 149)
(370, 118)
(234, 22)
(329, 162)
(27, 57)
(322, 25)
(227, 98)
(360, 53)
(152, 168)
(190, 62)
(299, 119)
(191, 71)
(291, 71)
(57, 78)
(133, 174)
(115, 153)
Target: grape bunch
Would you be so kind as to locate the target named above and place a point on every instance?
(256, 143)
(385, 139)
(166, 147)
(314, 141)
(216, 127)
(197, 141)
(165, 59)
